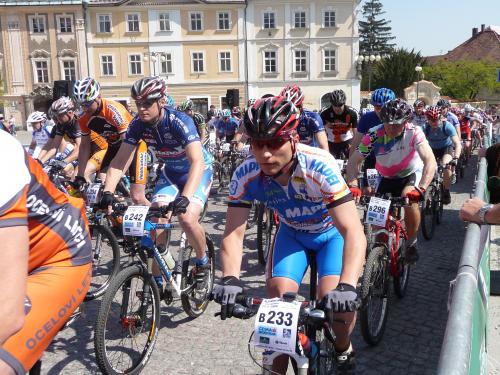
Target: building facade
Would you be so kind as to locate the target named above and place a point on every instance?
(41, 42)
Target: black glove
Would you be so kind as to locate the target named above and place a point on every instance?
(39, 162)
(179, 205)
(453, 162)
(225, 294)
(58, 164)
(107, 200)
(342, 299)
(79, 182)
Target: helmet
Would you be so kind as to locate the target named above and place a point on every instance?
(468, 107)
(226, 113)
(382, 95)
(419, 103)
(443, 103)
(186, 105)
(433, 113)
(337, 97)
(170, 102)
(395, 112)
(36, 117)
(149, 88)
(62, 105)
(294, 94)
(274, 117)
(251, 102)
(86, 90)
(370, 107)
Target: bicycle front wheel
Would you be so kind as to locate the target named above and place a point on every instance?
(265, 233)
(325, 360)
(127, 322)
(428, 213)
(401, 280)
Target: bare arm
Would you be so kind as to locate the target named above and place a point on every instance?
(457, 145)
(356, 141)
(120, 163)
(50, 148)
(83, 154)
(232, 241)
(74, 153)
(425, 153)
(194, 154)
(353, 168)
(322, 140)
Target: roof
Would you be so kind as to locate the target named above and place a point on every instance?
(158, 2)
(39, 2)
(482, 45)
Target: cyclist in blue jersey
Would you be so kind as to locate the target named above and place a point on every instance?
(445, 144)
(226, 127)
(317, 213)
(445, 106)
(187, 173)
(419, 117)
(310, 129)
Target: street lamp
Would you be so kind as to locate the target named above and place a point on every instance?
(418, 69)
(370, 60)
(155, 57)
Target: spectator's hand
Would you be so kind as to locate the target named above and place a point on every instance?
(470, 210)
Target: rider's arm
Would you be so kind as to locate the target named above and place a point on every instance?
(457, 146)
(232, 241)
(355, 141)
(50, 148)
(322, 140)
(427, 156)
(194, 154)
(74, 153)
(353, 168)
(83, 154)
(32, 147)
(121, 162)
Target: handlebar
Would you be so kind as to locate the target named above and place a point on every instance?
(396, 202)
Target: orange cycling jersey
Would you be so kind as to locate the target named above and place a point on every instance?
(98, 142)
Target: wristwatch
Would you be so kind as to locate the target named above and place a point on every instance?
(482, 213)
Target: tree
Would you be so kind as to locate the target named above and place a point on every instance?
(397, 71)
(463, 79)
(374, 32)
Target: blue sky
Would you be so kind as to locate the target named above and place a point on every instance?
(436, 26)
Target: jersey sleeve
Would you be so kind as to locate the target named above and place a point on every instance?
(450, 130)
(315, 122)
(418, 137)
(134, 132)
(118, 116)
(245, 175)
(366, 144)
(354, 118)
(183, 128)
(83, 122)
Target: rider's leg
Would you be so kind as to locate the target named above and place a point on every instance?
(447, 173)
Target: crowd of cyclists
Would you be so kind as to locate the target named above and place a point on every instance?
(291, 168)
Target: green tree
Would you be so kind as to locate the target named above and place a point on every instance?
(397, 71)
(463, 79)
(374, 31)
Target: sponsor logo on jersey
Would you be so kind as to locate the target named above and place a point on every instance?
(246, 168)
(233, 186)
(320, 167)
(302, 211)
(117, 117)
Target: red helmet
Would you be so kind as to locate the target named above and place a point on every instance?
(433, 113)
(274, 117)
(294, 94)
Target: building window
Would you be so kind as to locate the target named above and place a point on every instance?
(69, 70)
(164, 20)
(133, 23)
(65, 24)
(299, 20)
(270, 62)
(135, 64)
(224, 21)
(225, 61)
(196, 22)
(42, 71)
(198, 65)
(329, 18)
(166, 66)
(269, 22)
(37, 24)
(107, 65)
(300, 59)
(104, 23)
(329, 60)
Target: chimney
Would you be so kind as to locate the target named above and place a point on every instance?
(482, 27)
(474, 31)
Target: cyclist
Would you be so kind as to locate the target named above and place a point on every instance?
(445, 106)
(304, 185)
(401, 153)
(419, 117)
(465, 132)
(340, 122)
(169, 101)
(41, 132)
(199, 121)
(46, 253)
(226, 127)
(310, 129)
(187, 170)
(110, 120)
(445, 145)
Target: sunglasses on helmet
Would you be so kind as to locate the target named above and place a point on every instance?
(271, 144)
(145, 103)
(87, 104)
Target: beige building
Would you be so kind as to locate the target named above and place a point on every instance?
(41, 42)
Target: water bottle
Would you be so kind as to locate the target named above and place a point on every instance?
(169, 259)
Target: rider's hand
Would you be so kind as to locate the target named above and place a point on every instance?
(179, 205)
(225, 294)
(453, 163)
(343, 298)
(416, 195)
(58, 163)
(39, 162)
(79, 182)
(107, 200)
(355, 191)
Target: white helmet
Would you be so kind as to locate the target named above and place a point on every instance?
(468, 107)
(86, 90)
(36, 116)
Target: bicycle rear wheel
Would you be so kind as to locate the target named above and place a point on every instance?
(401, 281)
(428, 213)
(374, 294)
(127, 323)
(265, 233)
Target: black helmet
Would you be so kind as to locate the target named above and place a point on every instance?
(419, 103)
(149, 88)
(271, 118)
(443, 103)
(395, 112)
(337, 97)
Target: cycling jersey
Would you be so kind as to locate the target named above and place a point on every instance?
(440, 137)
(316, 184)
(227, 128)
(339, 127)
(452, 119)
(42, 135)
(419, 120)
(395, 157)
(368, 121)
(465, 129)
(168, 138)
(310, 123)
(60, 252)
(70, 130)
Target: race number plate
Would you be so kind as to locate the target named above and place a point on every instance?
(378, 210)
(276, 325)
(93, 193)
(225, 147)
(133, 220)
(373, 178)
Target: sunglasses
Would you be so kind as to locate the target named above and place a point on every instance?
(145, 103)
(337, 106)
(87, 104)
(271, 144)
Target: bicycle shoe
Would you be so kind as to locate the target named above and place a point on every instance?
(201, 276)
(446, 197)
(411, 254)
(345, 362)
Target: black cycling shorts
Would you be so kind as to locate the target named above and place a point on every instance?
(395, 186)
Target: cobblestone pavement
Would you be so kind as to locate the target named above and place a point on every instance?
(206, 345)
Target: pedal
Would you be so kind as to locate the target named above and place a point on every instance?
(167, 296)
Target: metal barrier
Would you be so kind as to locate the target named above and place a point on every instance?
(464, 345)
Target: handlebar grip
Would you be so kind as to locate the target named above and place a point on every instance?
(242, 312)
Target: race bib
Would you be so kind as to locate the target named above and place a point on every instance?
(225, 147)
(373, 178)
(93, 193)
(133, 220)
(378, 211)
(276, 325)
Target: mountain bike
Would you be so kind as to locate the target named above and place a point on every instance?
(129, 316)
(267, 225)
(432, 206)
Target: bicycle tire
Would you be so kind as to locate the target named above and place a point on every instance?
(401, 282)
(122, 282)
(439, 205)
(98, 288)
(253, 216)
(265, 231)
(193, 305)
(428, 213)
(324, 361)
(376, 274)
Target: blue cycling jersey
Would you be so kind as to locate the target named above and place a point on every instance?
(226, 128)
(452, 119)
(367, 121)
(316, 184)
(440, 137)
(168, 138)
(419, 120)
(310, 123)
